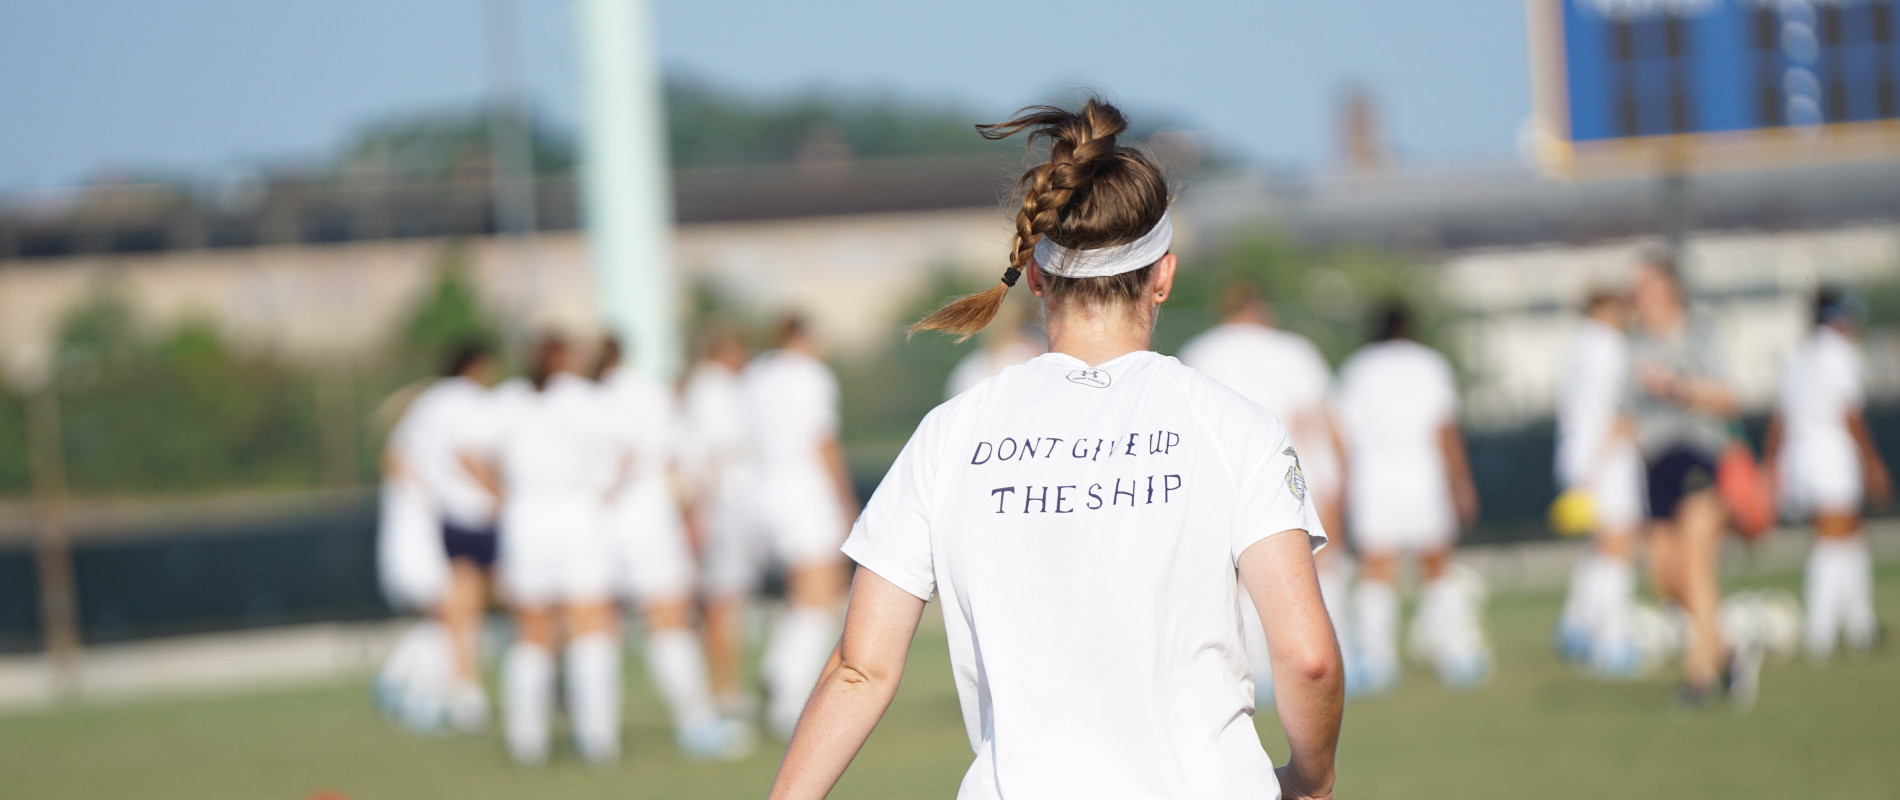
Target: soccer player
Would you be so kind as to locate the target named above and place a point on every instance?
(656, 564)
(1826, 462)
(443, 477)
(1086, 520)
(803, 504)
(1596, 457)
(564, 456)
(1283, 371)
(1680, 405)
(715, 464)
(1410, 495)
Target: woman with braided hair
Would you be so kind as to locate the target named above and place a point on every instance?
(1086, 521)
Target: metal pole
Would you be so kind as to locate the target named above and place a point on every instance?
(59, 605)
(1675, 211)
(627, 188)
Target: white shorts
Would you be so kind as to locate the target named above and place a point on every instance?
(733, 554)
(1617, 492)
(555, 550)
(1397, 519)
(410, 561)
(797, 513)
(1816, 481)
(649, 538)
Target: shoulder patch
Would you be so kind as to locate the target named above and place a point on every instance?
(1295, 478)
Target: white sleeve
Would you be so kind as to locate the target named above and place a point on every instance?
(1271, 496)
(1853, 392)
(892, 536)
(824, 402)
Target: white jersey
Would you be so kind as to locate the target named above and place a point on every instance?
(1083, 524)
(715, 422)
(562, 450)
(1283, 371)
(791, 409)
(1395, 397)
(453, 418)
(984, 363)
(1589, 399)
(1820, 386)
(650, 538)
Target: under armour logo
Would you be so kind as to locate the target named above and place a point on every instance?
(1090, 377)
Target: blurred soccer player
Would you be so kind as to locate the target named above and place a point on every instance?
(656, 565)
(1681, 404)
(445, 481)
(803, 504)
(1410, 494)
(716, 464)
(1827, 464)
(1597, 458)
(564, 456)
(1085, 522)
(1283, 371)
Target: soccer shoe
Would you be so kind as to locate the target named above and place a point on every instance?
(1573, 644)
(468, 709)
(1618, 660)
(1741, 680)
(1370, 678)
(716, 740)
(1465, 669)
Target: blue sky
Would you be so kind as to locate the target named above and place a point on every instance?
(209, 86)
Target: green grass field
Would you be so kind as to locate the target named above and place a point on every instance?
(1536, 732)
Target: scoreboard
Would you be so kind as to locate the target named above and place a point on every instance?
(1692, 85)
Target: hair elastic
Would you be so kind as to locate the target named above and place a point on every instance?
(1010, 275)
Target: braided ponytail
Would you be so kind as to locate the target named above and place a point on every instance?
(1090, 193)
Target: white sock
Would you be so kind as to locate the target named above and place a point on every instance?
(593, 695)
(1574, 617)
(405, 659)
(1859, 627)
(677, 661)
(527, 697)
(1377, 604)
(1819, 589)
(801, 644)
(1614, 596)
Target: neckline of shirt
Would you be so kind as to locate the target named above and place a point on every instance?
(1079, 363)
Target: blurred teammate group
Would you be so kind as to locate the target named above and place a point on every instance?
(585, 491)
(1652, 461)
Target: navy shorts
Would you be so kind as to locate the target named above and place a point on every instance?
(469, 544)
(1675, 474)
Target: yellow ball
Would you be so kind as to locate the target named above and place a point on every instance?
(1573, 513)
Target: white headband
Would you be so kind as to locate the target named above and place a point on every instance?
(1104, 261)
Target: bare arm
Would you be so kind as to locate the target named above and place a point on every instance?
(1308, 685)
(855, 689)
(1879, 483)
(483, 472)
(833, 454)
(1696, 394)
(1464, 493)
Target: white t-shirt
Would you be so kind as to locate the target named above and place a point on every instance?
(452, 418)
(1395, 397)
(1820, 386)
(791, 408)
(715, 417)
(1281, 370)
(1081, 526)
(562, 440)
(649, 417)
(1590, 397)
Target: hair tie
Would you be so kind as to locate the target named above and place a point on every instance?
(1010, 275)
